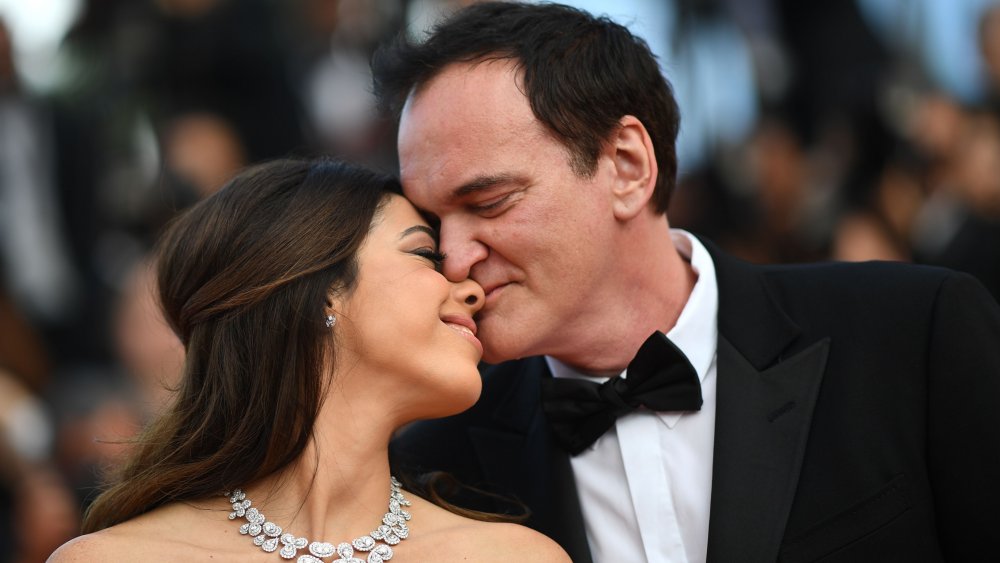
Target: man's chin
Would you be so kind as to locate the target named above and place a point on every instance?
(500, 343)
(495, 354)
(491, 357)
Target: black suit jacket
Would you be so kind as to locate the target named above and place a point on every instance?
(857, 420)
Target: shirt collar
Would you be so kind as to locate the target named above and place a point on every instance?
(696, 330)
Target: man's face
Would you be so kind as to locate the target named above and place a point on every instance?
(513, 214)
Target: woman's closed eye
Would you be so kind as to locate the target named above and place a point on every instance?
(432, 255)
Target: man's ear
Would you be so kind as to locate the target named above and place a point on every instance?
(635, 170)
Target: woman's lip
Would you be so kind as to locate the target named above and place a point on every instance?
(466, 332)
(462, 321)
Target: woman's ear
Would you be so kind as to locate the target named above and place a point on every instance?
(635, 170)
(334, 304)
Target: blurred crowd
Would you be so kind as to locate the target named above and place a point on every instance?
(855, 151)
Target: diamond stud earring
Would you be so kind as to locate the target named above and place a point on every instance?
(330, 321)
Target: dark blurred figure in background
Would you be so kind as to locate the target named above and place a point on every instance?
(162, 101)
(878, 224)
(150, 352)
(37, 509)
(960, 220)
(859, 155)
(203, 150)
(989, 48)
(33, 250)
(332, 41)
(39, 292)
(818, 72)
(225, 57)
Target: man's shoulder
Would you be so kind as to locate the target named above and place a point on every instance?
(835, 296)
(512, 374)
(831, 279)
(731, 264)
(870, 269)
(870, 283)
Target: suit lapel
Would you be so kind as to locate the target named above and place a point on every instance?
(516, 455)
(762, 424)
(768, 383)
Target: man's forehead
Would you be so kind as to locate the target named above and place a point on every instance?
(476, 88)
(431, 192)
(460, 131)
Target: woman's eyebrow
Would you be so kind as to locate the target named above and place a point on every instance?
(419, 229)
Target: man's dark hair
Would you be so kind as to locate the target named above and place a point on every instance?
(581, 74)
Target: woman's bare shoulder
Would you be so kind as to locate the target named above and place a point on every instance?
(488, 542)
(143, 538)
(511, 542)
(106, 545)
(445, 537)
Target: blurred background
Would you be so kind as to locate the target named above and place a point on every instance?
(834, 130)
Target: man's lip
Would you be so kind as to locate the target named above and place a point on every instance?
(489, 289)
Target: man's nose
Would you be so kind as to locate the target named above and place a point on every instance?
(462, 249)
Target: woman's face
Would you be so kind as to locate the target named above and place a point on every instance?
(405, 328)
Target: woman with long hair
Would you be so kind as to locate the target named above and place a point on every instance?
(316, 322)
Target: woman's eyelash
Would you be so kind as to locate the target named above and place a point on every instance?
(434, 256)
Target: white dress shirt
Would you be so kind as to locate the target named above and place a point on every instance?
(643, 503)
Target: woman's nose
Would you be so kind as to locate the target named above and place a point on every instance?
(469, 293)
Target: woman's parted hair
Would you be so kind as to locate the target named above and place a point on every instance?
(244, 278)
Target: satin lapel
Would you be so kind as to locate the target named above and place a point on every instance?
(768, 382)
(762, 425)
(516, 455)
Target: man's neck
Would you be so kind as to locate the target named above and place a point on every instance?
(648, 294)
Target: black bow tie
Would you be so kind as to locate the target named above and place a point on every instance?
(660, 378)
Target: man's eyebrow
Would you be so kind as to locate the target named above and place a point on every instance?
(484, 183)
(419, 229)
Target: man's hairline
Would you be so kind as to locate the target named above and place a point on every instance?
(493, 57)
(575, 161)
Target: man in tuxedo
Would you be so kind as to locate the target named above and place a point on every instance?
(837, 412)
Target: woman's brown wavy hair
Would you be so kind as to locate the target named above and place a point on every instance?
(244, 278)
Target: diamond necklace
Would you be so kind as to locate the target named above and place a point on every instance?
(267, 535)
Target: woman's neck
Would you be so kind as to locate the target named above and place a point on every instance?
(338, 489)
